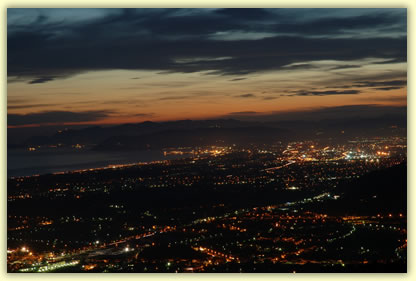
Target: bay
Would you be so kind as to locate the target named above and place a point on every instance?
(21, 162)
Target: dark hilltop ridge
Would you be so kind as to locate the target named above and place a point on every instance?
(380, 191)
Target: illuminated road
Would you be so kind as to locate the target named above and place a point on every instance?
(279, 167)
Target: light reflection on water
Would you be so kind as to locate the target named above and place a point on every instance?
(21, 162)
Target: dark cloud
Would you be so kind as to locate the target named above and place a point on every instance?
(393, 83)
(41, 80)
(377, 85)
(345, 66)
(238, 79)
(246, 96)
(129, 101)
(243, 113)
(345, 25)
(324, 93)
(142, 114)
(191, 26)
(245, 13)
(388, 61)
(175, 98)
(172, 41)
(55, 117)
(388, 88)
(21, 106)
(387, 85)
(340, 87)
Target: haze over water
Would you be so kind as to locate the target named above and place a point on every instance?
(22, 162)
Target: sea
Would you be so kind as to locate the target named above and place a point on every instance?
(22, 162)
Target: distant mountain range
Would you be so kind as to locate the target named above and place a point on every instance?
(196, 137)
(155, 135)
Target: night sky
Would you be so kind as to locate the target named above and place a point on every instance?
(112, 66)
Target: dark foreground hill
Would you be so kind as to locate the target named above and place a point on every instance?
(382, 191)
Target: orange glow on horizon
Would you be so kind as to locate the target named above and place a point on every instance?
(169, 97)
